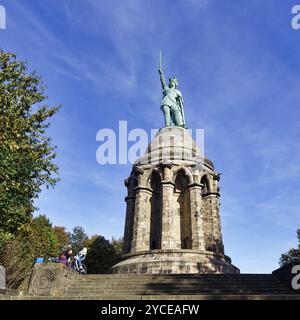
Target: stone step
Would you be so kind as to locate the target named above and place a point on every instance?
(98, 286)
(176, 280)
(175, 291)
(169, 283)
(175, 284)
(147, 276)
(183, 281)
(87, 281)
(120, 275)
(158, 286)
(71, 297)
(162, 297)
(162, 287)
(183, 292)
(159, 290)
(181, 276)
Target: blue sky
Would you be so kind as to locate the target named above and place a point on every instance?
(238, 67)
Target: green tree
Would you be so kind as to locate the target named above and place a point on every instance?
(101, 255)
(26, 153)
(43, 238)
(292, 256)
(17, 257)
(63, 238)
(118, 245)
(37, 239)
(77, 238)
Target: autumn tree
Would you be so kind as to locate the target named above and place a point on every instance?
(63, 238)
(38, 238)
(26, 152)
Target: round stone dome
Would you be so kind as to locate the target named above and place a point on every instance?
(173, 145)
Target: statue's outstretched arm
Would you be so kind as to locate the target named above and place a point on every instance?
(162, 79)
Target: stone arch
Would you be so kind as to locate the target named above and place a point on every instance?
(207, 185)
(156, 212)
(187, 173)
(183, 207)
(148, 174)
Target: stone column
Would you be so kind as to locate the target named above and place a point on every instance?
(198, 242)
(170, 238)
(169, 229)
(217, 233)
(2, 278)
(130, 200)
(130, 183)
(142, 220)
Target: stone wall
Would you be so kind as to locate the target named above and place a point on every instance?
(182, 261)
(50, 279)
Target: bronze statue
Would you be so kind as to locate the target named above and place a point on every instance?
(172, 101)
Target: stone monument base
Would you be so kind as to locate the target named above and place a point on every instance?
(181, 261)
(50, 279)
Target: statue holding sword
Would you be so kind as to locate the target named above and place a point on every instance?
(172, 101)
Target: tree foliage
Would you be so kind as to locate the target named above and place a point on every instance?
(118, 245)
(77, 238)
(292, 256)
(17, 257)
(63, 238)
(26, 153)
(101, 255)
(37, 239)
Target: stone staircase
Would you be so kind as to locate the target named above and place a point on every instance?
(179, 286)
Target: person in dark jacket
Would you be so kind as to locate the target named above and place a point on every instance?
(65, 256)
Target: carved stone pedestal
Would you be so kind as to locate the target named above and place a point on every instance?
(50, 279)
